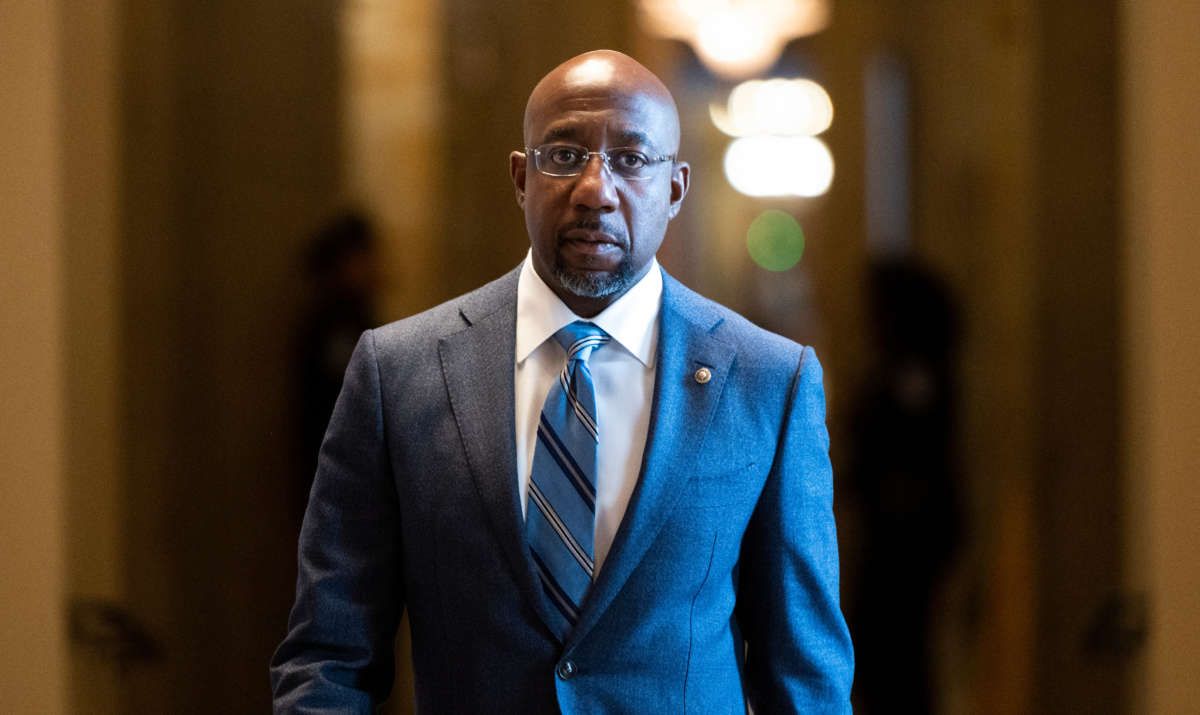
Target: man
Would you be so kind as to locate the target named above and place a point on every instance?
(593, 490)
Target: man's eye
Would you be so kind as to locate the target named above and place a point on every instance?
(564, 156)
(630, 160)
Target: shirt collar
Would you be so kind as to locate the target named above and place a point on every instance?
(631, 320)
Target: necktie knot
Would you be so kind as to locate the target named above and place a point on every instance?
(580, 338)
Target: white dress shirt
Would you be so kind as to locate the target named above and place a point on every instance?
(622, 371)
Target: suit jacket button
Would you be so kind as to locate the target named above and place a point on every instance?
(567, 669)
(703, 375)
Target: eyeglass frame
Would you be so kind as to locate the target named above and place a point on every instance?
(604, 158)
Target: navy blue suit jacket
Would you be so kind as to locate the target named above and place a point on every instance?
(721, 587)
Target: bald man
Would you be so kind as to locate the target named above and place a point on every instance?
(593, 490)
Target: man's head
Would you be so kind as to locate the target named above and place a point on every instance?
(594, 230)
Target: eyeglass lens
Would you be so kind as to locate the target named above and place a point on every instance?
(569, 160)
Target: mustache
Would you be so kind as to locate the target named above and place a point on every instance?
(595, 224)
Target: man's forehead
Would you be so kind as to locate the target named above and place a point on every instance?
(625, 118)
(604, 88)
(567, 130)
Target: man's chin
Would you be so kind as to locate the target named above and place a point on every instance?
(592, 284)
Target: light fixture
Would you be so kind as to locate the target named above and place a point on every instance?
(775, 166)
(786, 107)
(735, 38)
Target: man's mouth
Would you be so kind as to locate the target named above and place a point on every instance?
(588, 235)
(590, 249)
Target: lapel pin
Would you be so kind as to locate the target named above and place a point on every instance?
(702, 375)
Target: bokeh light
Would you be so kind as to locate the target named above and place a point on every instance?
(786, 107)
(764, 166)
(775, 240)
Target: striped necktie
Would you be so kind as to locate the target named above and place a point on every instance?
(561, 514)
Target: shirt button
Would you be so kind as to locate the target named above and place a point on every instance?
(567, 669)
(702, 375)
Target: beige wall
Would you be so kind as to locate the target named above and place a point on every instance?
(88, 95)
(1162, 266)
(32, 642)
(391, 106)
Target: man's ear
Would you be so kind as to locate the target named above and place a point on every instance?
(681, 174)
(516, 169)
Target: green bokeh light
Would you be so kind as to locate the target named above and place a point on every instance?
(775, 240)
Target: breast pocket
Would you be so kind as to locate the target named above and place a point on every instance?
(724, 489)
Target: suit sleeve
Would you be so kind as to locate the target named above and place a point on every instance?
(338, 653)
(799, 657)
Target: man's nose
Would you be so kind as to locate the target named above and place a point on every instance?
(596, 188)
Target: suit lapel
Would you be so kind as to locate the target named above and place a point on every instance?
(681, 412)
(477, 365)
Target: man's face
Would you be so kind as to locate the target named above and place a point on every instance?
(593, 234)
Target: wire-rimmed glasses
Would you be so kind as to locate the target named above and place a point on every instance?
(571, 159)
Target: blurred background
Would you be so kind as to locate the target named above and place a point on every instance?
(982, 215)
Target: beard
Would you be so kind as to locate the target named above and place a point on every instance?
(594, 284)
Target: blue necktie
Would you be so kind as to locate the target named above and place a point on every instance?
(561, 514)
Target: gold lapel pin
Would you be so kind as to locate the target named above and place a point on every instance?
(702, 375)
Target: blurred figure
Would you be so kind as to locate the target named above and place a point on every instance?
(342, 270)
(905, 476)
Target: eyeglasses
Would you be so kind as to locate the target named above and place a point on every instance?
(571, 159)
